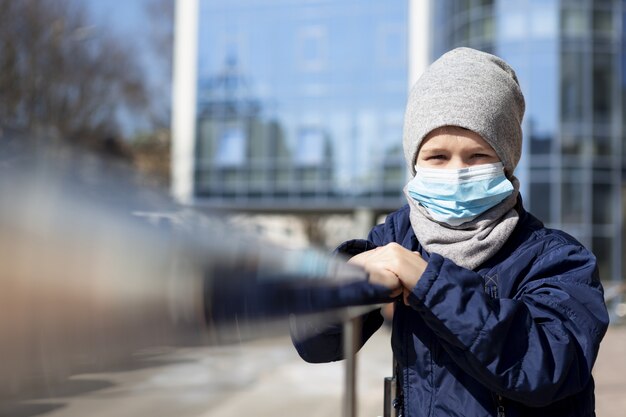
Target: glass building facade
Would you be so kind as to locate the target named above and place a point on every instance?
(569, 57)
(300, 104)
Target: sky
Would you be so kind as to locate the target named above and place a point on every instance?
(124, 16)
(129, 20)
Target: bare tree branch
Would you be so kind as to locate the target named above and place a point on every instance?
(61, 76)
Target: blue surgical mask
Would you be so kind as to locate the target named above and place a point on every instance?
(456, 196)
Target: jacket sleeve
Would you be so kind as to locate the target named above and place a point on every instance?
(317, 344)
(538, 346)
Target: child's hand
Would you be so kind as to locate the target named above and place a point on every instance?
(393, 266)
(378, 274)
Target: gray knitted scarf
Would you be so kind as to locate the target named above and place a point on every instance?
(469, 244)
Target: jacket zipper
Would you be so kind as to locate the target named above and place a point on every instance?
(500, 407)
(492, 291)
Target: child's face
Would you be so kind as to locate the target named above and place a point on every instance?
(452, 147)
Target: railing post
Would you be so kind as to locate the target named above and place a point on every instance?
(351, 338)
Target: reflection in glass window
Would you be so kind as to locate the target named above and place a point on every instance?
(488, 29)
(512, 26)
(572, 203)
(310, 147)
(544, 20)
(602, 87)
(259, 144)
(602, 204)
(572, 88)
(603, 22)
(391, 44)
(463, 34)
(540, 204)
(572, 143)
(231, 144)
(572, 210)
(602, 248)
(312, 48)
(232, 46)
(602, 145)
(574, 22)
(337, 59)
(540, 144)
(541, 82)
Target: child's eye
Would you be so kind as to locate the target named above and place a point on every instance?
(431, 157)
(480, 155)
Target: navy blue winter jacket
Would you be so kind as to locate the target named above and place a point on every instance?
(516, 336)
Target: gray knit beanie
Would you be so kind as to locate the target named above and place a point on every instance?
(469, 89)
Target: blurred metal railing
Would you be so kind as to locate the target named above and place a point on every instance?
(87, 281)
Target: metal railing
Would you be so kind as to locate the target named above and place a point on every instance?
(90, 274)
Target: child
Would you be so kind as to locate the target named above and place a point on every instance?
(495, 314)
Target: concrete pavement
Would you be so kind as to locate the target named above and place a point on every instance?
(610, 374)
(264, 378)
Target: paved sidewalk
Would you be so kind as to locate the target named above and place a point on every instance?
(314, 390)
(309, 390)
(610, 374)
(266, 378)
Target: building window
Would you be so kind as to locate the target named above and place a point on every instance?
(572, 203)
(310, 147)
(544, 20)
(574, 23)
(572, 87)
(278, 124)
(572, 144)
(231, 146)
(602, 247)
(572, 197)
(539, 204)
(602, 199)
(312, 48)
(602, 87)
(603, 22)
(512, 26)
(391, 45)
(229, 46)
(602, 145)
